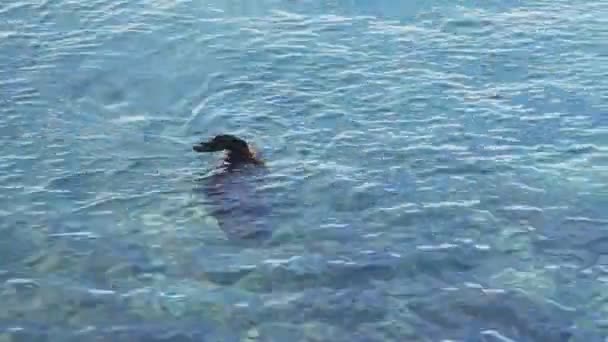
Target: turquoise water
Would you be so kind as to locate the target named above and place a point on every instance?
(436, 170)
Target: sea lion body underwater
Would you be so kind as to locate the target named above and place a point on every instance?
(241, 210)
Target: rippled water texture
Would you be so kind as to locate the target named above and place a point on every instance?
(436, 171)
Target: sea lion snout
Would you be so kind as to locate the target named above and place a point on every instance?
(204, 147)
(223, 142)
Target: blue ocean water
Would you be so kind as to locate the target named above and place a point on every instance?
(436, 170)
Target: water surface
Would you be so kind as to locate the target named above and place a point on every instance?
(436, 171)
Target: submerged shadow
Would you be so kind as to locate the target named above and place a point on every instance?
(238, 203)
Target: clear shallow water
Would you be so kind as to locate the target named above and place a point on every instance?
(436, 171)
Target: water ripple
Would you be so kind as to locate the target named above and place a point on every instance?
(430, 166)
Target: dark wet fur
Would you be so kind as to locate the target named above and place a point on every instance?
(240, 210)
(238, 152)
